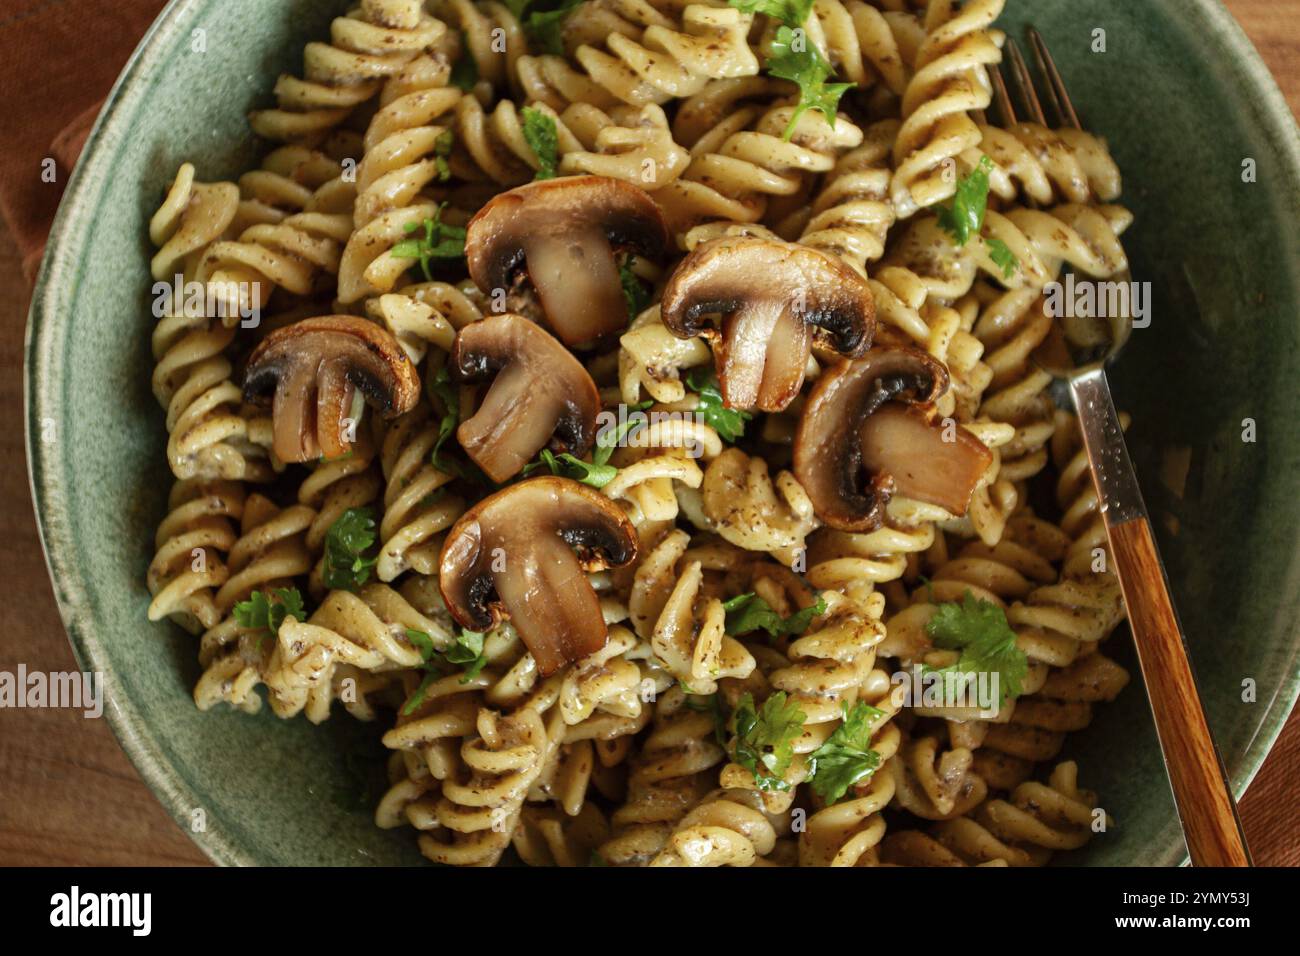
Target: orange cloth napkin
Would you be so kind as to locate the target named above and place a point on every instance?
(58, 60)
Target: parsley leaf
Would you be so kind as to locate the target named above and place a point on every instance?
(346, 564)
(441, 150)
(464, 72)
(634, 290)
(546, 27)
(965, 217)
(846, 758)
(467, 649)
(440, 241)
(793, 58)
(764, 743)
(793, 13)
(749, 612)
(729, 423)
(261, 611)
(539, 132)
(597, 472)
(1002, 257)
(979, 629)
(570, 466)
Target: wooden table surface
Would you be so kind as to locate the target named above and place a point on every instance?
(69, 796)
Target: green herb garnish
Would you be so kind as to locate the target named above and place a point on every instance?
(441, 151)
(793, 13)
(598, 472)
(1002, 257)
(846, 758)
(546, 27)
(749, 612)
(979, 629)
(729, 423)
(440, 241)
(466, 651)
(349, 538)
(793, 58)
(634, 290)
(265, 612)
(543, 140)
(764, 743)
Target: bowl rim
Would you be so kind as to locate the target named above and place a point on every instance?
(49, 305)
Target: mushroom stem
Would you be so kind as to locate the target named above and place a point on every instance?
(762, 356)
(576, 277)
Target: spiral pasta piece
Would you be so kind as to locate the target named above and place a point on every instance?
(1046, 166)
(359, 630)
(950, 82)
(416, 508)
(188, 566)
(479, 807)
(367, 45)
(209, 434)
(735, 169)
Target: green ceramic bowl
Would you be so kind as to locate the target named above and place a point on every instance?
(1183, 99)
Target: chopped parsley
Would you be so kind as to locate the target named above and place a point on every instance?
(979, 629)
(546, 27)
(965, 216)
(440, 241)
(793, 13)
(441, 151)
(347, 565)
(791, 57)
(267, 612)
(749, 612)
(466, 651)
(598, 472)
(540, 133)
(846, 758)
(729, 423)
(634, 290)
(764, 743)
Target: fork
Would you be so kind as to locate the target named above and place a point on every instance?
(1201, 790)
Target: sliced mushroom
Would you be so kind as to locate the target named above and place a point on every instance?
(777, 300)
(563, 234)
(512, 556)
(868, 433)
(311, 371)
(541, 395)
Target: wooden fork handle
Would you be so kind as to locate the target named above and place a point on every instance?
(1197, 776)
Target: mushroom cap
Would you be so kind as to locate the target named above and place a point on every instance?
(329, 357)
(562, 232)
(777, 300)
(854, 450)
(541, 395)
(512, 556)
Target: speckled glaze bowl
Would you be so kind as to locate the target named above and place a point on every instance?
(1184, 101)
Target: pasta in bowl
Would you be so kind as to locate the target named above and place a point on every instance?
(631, 412)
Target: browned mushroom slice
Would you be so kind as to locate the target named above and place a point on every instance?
(309, 373)
(513, 556)
(564, 233)
(859, 442)
(541, 395)
(777, 300)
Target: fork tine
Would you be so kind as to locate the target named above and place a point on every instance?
(1001, 98)
(1056, 90)
(1025, 82)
